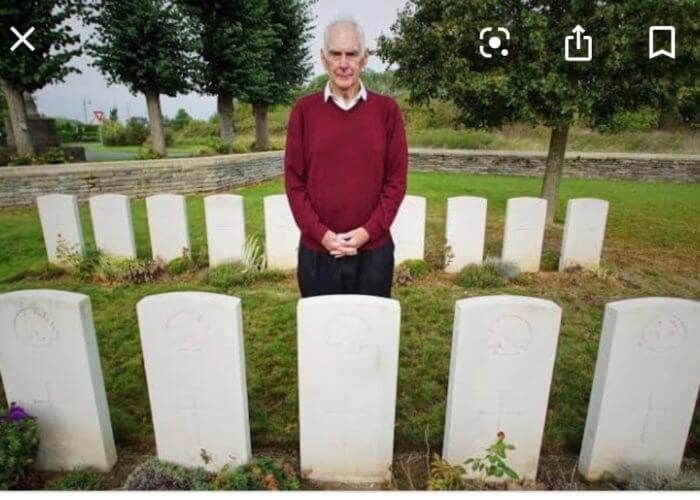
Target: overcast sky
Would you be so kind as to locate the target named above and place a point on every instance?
(80, 94)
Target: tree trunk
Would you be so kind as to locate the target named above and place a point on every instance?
(10, 135)
(18, 118)
(262, 136)
(155, 122)
(555, 165)
(224, 106)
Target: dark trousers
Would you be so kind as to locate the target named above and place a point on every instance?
(368, 273)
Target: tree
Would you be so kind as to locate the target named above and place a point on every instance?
(113, 115)
(232, 39)
(287, 65)
(181, 119)
(148, 46)
(437, 47)
(25, 70)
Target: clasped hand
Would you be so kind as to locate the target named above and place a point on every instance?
(342, 244)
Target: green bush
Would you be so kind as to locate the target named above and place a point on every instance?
(135, 132)
(157, 475)
(487, 275)
(410, 270)
(179, 266)
(19, 443)
(169, 140)
(264, 473)
(78, 480)
(19, 160)
(632, 121)
(689, 105)
(196, 129)
(229, 275)
(116, 270)
(113, 134)
(52, 156)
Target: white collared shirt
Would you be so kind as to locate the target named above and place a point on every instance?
(362, 94)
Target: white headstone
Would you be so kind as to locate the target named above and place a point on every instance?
(524, 233)
(195, 368)
(584, 230)
(408, 229)
(503, 350)
(51, 367)
(281, 233)
(167, 226)
(465, 230)
(645, 386)
(111, 222)
(225, 228)
(60, 223)
(348, 362)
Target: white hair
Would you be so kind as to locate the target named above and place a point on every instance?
(344, 18)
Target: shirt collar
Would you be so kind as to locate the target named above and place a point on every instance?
(362, 94)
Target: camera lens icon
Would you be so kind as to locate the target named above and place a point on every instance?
(494, 41)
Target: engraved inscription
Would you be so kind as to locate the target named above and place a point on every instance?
(499, 412)
(649, 413)
(35, 327)
(187, 330)
(509, 335)
(663, 334)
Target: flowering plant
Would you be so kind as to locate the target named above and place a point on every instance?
(18, 445)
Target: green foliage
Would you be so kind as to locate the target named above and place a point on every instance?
(264, 473)
(78, 480)
(493, 463)
(77, 263)
(55, 42)
(181, 119)
(689, 105)
(19, 160)
(117, 270)
(146, 46)
(75, 131)
(229, 275)
(169, 139)
(444, 476)
(19, 443)
(641, 120)
(135, 133)
(180, 265)
(491, 274)
(158, 475)
(410, 270)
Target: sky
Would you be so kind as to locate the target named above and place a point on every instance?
(81, 94)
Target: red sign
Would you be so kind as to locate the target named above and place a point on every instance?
(99, 115)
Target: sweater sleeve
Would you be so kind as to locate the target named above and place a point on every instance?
(295, 177)
(394, 187)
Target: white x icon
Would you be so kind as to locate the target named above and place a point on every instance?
(22, 38)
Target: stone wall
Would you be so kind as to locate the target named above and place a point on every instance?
(640, 167)
(21, 185)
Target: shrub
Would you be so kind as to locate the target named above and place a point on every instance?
(491, 274)
(218, 145)
(180, 265)
(19, 443)
(75, 262)
(52, 156)
(169, 140)
(410, 270)
(113, 133)
(116, 270)
(157, 475)
(135, 132)
(78, 480)
(444, 476)
(18, 160)
(264, 473)
(149, 155)
(229, 275)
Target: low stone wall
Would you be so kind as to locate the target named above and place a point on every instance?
(639, 167)
(21, 185)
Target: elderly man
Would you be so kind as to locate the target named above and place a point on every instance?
(345, 174)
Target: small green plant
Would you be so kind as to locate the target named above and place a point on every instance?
(253, 258)
(117, 270)
(19, 160)
(492, 464)
(149, 155)
(229, 275)
(182, 264)
(263, 473)
(488, 275)
(410, 270)
(76, 262)
(19, 443)
(79, 479)
(51, 157)
(158, 475)
(444, 476)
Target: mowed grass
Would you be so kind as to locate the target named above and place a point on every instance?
(652, 248)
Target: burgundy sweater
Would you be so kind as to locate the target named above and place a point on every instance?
(345, 169)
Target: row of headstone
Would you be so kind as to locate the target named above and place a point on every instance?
(225, 227)
(167, 226)
(503, 349)
(582, 244)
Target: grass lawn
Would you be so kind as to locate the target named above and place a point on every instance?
(652, 248)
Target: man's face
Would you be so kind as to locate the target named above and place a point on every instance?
(342, 57)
